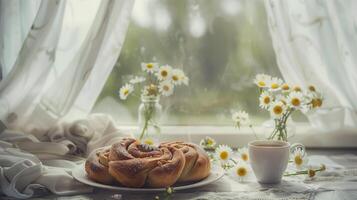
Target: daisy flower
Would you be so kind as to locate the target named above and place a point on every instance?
(285, 88)
(262, 80)
(311, 88)
(299, 159)
(137, 79)
(316, 100)
(277, 109)
(177, 77)
(265, 100)
(166, 88)
(240, 118)
(148, 141)
(125, 91)
(297, 88)
(208, 142)
(243, 153)
(149, 67)
(275, 84)
(223, 153)
(311, 173)
(164, 73)
(295, 99)
(240, 171)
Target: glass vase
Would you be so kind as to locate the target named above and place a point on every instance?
(282, 131)
(149, 116)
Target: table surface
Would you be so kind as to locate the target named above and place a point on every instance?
(226, 188)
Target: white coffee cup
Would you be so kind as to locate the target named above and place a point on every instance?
(269, 159)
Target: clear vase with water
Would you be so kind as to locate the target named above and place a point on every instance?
(149, 119)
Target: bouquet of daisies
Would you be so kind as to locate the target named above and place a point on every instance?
(155, 81)
(282, 99)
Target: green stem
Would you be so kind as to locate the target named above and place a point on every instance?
(144, 129)
(147, 114)
(255, 134)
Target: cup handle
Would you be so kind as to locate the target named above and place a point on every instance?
(298, 146)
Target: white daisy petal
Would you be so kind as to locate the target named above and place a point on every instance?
(177, 77)
(243, 153)
(296, 100)
(240, 118)
(166, 88)
(275, 84)
(125, 91)
(300, 159)
(262, 80)
(164, 73)
(149, 67)
(277, 109)
(137, 79)
(265, 100)
(223, 153)
(208, 142)
(240, 171)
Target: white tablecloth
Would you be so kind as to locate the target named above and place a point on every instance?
(338, 182)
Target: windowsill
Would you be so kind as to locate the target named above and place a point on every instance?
(310, 137)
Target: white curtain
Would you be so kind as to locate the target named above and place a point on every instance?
(55, 56)
(316, 43)
(67, 54)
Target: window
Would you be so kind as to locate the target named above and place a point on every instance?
(221, 45)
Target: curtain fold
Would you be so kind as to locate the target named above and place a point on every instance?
(63, 63)
(17, 27)
(24, 84)
(315, 43)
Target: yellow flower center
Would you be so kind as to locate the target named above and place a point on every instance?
(164, 73)
(166, 87)
(266, 100)
(149, 141)
(149, 65)
(223, 155)
(285, 87)
(244, 157)
(241, 171)
(297, 89)
(277, 110)
(152, 89)
(298, 160)
(316, 103)
(126, 92)
(175, 78)
(274, 85)
(209, 142)
(312, 88)
(261, 84)
(295, 102)
(311, 173)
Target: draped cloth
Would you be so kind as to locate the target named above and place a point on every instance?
(315, 43)
(55, 57)
(33, 164)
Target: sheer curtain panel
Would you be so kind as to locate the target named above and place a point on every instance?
(316, 43)
(63, 62)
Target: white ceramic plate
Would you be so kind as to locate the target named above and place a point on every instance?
(80, 174)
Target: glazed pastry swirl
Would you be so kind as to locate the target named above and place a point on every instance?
(132, 164)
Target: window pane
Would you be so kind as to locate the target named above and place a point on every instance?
(221, 46)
